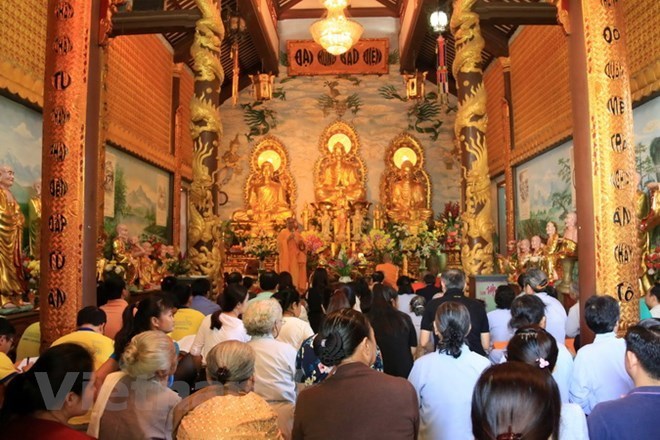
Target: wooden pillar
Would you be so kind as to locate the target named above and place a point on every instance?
(175, 140)
(470, 131)
(68, 232)
(608, 255)
(204, 236)
(509, 142)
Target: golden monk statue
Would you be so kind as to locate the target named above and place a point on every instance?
(552, 251)
(568, 246)
(34, 220)
(267, 200)
(12, 281)
(408, 201)
(340, 178)
(122, 254)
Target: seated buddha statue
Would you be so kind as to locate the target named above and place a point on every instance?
(266, 201)
(340, 178)
(408, 198)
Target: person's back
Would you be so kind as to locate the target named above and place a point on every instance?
(599, 372)
(430, 289)
(555, 315)
(114, 289)
(186, 319)
(30, 342)
(200, 302)
(390, 271)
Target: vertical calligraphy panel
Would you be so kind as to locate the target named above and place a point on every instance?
(65, 107)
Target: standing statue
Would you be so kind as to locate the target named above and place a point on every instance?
(570, 240)
(12, 280)
(551, 251)
(292, 255)
(340, 177)
(34, 220)
(378, 217)
(122, 254)
(326, 222)
(357, 220)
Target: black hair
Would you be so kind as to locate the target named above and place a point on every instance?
(338, 301)
(536, 279)
(360, 287)
(269, 280)
(418, 305)
(320, 278)
(234, 278)
(454, 279)
(6, 328)
(515, 400)
(526, 310)
(383, 315)
(429, 278)
(287, 297)
(182, 293)
(24, 394)
(550, 290)
(378, 276)
(285, 281)
(248, 282)
(521, 280)
(200, 287)
(452, 320)
(168, 283)
(601, 313)
(643, 340)
(113, 286)
(340, 335)
(534, 346)
(137, 318)
(404, 285)
(229, 299)
(504, 296)
(655, 291)
(91, 315)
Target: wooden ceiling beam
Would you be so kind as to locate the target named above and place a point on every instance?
(389, 6)
(500, 12)
(288, 5)
(414, 38)
(257, 29)
(154, 22)
(352, 12)
(496, 42)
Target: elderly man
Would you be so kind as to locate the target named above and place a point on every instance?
(291, 249)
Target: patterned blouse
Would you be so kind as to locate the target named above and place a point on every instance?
(311, 371)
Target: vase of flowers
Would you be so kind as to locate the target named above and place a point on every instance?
(261, 246)
(315, 245)
(377, 243)
(343, 266)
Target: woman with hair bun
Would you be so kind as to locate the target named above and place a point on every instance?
(228, 408)
(135, 403)
(515, 401)
(387, 406)
(444, 380)
(534, 346)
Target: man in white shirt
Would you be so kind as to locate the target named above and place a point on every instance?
(652, 300)
(599, 372)
(535, 283)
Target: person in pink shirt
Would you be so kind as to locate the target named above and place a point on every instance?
(115, 291)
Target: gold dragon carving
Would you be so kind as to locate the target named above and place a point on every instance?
(470, 129)
(204, 234)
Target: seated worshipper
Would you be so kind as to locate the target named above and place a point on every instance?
(634, 415)
(536, 283)
(453, 284)
(285, 281)
(599, 373)
(538, 348)
(360, 286)
(573, 324)
(38, 406)
(394, 331)
(515, 401)
(30, 343)
(200, 301)
(652, 300)
(155, 312)
(135, 403)
(275, 364)
(378, 277)
(7, 336)
(186, 319)
(267, 283)
(227, 409)
(415, 310)
(316, 297)
(389, 269)
(355, 402)
(498, 321)
(294, 330)
(430, 289)
(233, 278)
(225, 325)
(114, 290)
(309, 368)
(168, 283)
(405, 294)
(444, 379)
(530, 310)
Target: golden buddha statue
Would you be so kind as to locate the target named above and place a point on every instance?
(34, 220)
(340, 178)
(12, 282)
(267, 200)
(122, 254)
(568, 247)
(551, 251)
(408, 202)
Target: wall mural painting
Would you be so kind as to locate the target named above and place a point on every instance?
(20, 149)
(260, 117)
(545, 191)
(137, 195)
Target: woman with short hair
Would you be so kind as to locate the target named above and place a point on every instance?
(387, 406)
(228, 408)
(294, 330)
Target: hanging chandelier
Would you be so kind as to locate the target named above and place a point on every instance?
(336, 33)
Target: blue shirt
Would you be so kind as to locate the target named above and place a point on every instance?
(632, 417)
(599, 372)
(444, 387)
(204, 305)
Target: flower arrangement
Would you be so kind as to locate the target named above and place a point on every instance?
(652, 261)
(429, 243)
(448, 226)
(112, 266)
(32, 270)
(178, 266)
(343, 264)
(260, 245)
(377, 242)
(314, 243)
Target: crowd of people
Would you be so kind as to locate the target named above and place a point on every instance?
(368, 359)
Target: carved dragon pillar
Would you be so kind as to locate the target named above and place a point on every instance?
(204, 235)
(470, 131)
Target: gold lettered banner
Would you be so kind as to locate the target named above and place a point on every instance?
(367, 57)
